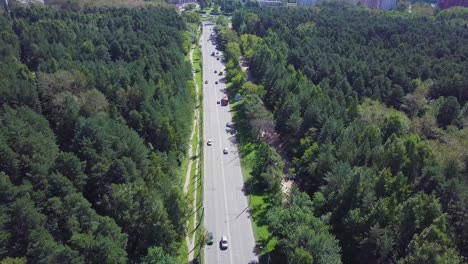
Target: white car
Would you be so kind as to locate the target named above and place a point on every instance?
(225, 150)
(223, 244)
(209, 142)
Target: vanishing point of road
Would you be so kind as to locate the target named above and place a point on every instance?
(226, 206)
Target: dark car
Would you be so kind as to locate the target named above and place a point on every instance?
(218, 102)
(210, 239)
(206, 82)
(216, 82)
(215, 71)
(217, 58)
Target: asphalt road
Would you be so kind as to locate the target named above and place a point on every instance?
(224, 200)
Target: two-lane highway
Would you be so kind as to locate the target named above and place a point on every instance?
(225, 203)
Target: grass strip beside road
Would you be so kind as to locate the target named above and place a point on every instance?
(186, 250)
(197, 65)
(201, 230)
(182, 252)
(183, 248)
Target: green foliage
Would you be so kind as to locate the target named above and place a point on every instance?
(367, 50)
(192, 17)
(157, 255)
(228, 6)
(13, 261)
(301, 256)
(17, 85)
(448, 112)
(86, 4)
(337, 80)
(249, 88)
(455, 15)
(94, 124)
(28, 148)
(140, 210)
(260, 121)
(303, 237)
(268, 169)
(248, 44)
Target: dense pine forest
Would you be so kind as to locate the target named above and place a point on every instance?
(372, 112)
(94, 121)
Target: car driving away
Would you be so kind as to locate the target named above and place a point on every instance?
(223, 244)
(209, 142)
(210, 239)
(224, 196)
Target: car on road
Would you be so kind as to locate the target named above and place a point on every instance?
(216, 82)
(217, 58)
(218, 102)
(220, 73)
(209, 142)
(212, 53)
(210, 239)
(206, 82)
(223, 244)
(225, 150)
(215, 71)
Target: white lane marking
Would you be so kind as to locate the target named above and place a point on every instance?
(211, 222)
(223, 177)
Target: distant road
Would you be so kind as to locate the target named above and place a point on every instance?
(224, 200)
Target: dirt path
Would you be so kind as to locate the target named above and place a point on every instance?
(193, 161)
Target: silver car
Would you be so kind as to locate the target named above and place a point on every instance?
(223, 244)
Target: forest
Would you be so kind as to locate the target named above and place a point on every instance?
(372, 112)
(95, 119)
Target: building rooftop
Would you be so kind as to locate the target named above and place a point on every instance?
(269, 3)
